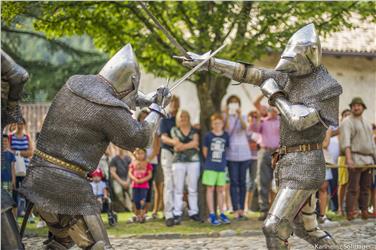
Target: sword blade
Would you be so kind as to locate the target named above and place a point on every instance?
(189, 73)
(165, 31)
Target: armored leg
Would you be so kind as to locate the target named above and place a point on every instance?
(306, 227)
(10, 236)
(88, 232)
(278, 225)
(97, 231)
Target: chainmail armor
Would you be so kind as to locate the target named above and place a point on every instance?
(83, 119)
(306, 170)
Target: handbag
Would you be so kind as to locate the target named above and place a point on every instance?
(20, 165)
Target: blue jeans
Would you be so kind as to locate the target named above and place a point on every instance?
(238, 172)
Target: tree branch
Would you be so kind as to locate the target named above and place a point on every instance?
(58, 43)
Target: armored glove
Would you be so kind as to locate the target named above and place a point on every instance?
(195, 60)
(162, 96)
(161, 99)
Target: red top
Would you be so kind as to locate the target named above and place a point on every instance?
(139, 174)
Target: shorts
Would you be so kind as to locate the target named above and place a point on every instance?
(343, 174)
(139, 194)
(328, 174)
(214, 178)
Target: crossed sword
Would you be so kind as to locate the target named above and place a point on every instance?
(207, 56)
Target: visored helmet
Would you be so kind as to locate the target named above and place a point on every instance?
(123, 73)
(302, 53)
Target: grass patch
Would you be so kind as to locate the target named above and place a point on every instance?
(158, 227)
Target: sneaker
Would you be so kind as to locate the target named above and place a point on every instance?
(170, 222)
(177, 220)
(41, 224)
(213, 220)
(224, 219)
(195, 217)
(325, 222)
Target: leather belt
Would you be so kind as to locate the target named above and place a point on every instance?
(300, 148)
(60, 163)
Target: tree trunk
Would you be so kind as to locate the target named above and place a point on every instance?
(211, 88)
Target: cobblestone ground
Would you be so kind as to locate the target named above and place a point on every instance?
(357, 235)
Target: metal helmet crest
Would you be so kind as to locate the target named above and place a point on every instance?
(302, 53)
(123, 73)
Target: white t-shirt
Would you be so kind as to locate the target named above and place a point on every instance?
(98, 187)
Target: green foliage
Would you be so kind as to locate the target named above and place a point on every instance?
(251, 29)
(49, 61)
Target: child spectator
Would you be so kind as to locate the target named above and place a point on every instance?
(215, 143)
(140, 172)
(99, 186)
(8, 169)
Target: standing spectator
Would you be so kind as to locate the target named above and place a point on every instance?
(253, 138)
(151, 153)
(373, 187)
(185, 165)
(269, 132)
(323, 191)
(119, 174)
(140, 174)
(167, 151)
(153, 158)
(8, 169)
(215, 144)
(357, 140)
(22, 145)
(334, 151)
(104, 165)
(343, 174)
(238, 155)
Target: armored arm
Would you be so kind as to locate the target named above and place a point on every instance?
(240, 72)
(300, 117)
(237, 71)
(14, 74)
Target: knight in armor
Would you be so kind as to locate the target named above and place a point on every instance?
(13, 78)
(88, 113)
(307, 98)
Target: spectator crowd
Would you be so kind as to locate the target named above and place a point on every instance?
(232, 160)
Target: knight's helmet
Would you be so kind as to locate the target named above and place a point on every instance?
(302, 53)
(123, 73)
(11, 71)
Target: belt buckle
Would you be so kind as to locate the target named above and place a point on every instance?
(303, 148)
